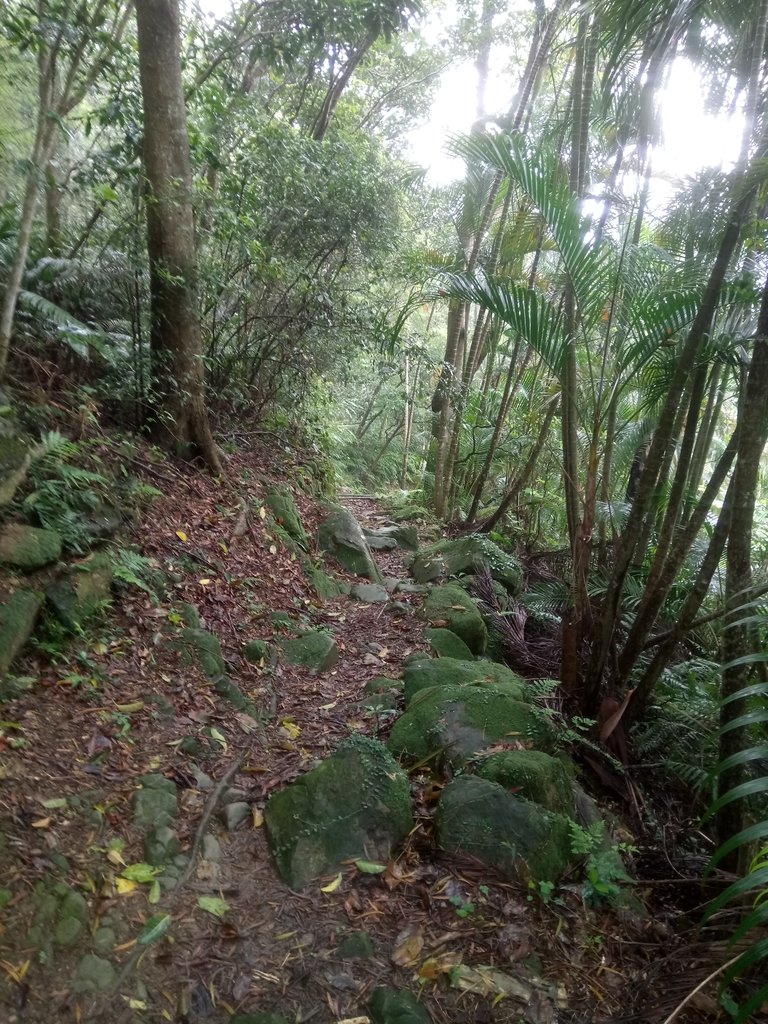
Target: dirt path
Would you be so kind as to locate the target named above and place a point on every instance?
(123, 704)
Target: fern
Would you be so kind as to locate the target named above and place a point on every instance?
(135, 570)
(754, 885)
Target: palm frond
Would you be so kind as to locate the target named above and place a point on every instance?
(526, 311)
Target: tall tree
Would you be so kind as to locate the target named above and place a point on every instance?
(179, 415)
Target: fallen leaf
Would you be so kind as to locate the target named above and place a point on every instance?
(290, 727)
(213, 905)
(262, 513)
(125, 885)
(204, 583)
(130, 709)
(258, 817)
(141, 872)
(182, 536)
(332, 886)
(154, 929)
(116, 858)
(54, 803)
(408, 945)
(369, 867)
(41, 823)
(273, 549)
(487, 981)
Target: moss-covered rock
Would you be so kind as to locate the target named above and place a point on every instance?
(446, 644)
(18, 615)
(280, 502)
(354, 804)
(441, 672)
(533, 775)
(370, 593)
(259, 652)
(232, 693)
(401, 536)
(466, 556)
(452, 607)
(481, 819)
(199, 647)
(28, 547)
(453, 723)
(326, 587)
(82, 590)
(341, 535)
(155, 804)
(314, 650)
(396, 1006)
(15, 457)
(93, 974)
(381, 684)
(356, 946)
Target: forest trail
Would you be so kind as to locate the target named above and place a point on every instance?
(90, 934)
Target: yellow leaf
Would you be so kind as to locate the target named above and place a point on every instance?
(125, 885)
(332, 886)
(129, 709)
(41, 823)
(204, 583)
(258, 817)
(290, 727)
(327, 707)
(115, 857)
(181, 535)
(262, 513)
(273, 549)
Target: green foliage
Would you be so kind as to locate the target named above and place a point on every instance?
(604, 870)
(135, 570)
(63, 494)
(752, 887)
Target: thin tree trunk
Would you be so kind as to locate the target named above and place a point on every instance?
(744, 197)
(180, 414)
(521, 478)
(337, 87)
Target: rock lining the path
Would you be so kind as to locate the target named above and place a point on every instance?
(356, 803)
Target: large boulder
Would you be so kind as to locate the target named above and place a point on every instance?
(280, 502)
(313, 650)
(452, 607)
(446, 644)
(82, 590)
(466, 556)
(481, 819)
(441, 672)
(27, 547)
(533, 775)
(341, 535)
(454, 723)
(18, 615)
(354, 804)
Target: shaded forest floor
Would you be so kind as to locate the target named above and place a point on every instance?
(120, 703)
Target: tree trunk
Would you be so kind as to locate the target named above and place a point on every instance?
(180, 420)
